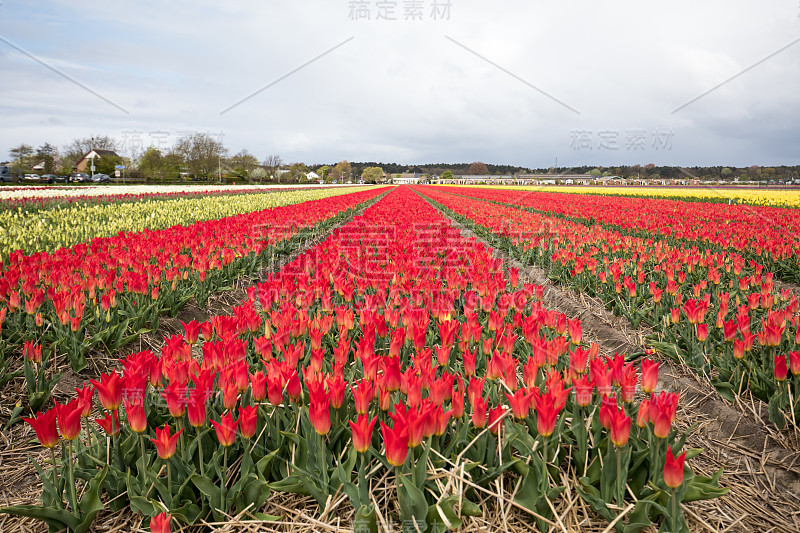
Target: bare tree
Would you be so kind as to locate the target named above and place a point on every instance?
(271, 164)
(201, 152)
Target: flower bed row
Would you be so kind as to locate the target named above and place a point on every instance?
(102, 295)
(395, 345)
(727, 194)
(67, 225)
(718, 312)
(768, 235)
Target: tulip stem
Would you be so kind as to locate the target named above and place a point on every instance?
(73, 498)
(169, 480)
(620, 481)
(200, 453)
(53, 460)
(674, 504)
(141, 443)
(224, 476)
(545, 473)
(363, 491)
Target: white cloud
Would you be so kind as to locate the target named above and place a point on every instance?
(401, 91)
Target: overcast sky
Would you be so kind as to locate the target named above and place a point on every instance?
(503, 81)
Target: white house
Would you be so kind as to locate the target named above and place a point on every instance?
(312, 176)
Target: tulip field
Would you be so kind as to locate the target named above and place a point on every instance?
(393, 359)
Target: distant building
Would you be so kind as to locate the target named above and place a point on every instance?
(312, 176)
(92, 155)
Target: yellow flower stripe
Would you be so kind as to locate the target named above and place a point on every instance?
(50, 229)
(768, 197)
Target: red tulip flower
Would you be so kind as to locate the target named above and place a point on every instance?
(794, 362)
(673, 469)
(620, 428)
(495, 419)
(196, 409)
(649, 375)
(248, 418)
(259, 383)
(583, 390)
(396, 442)
(166, 443)
(546, 414)
(230, 394)
(85, 400)
(191, 330)
(32, 352)
(69, 419)
(318, 409)
(226, 429)
(160, 523)
(109, 389)
(109, 423)
(44, 424)
(520, 403)
(574, 328)
(134, 411)
(363, 394)
(479, 407)
(362, 432)
(175, 395)
(781, 370)
(643, 415)
(702, 331)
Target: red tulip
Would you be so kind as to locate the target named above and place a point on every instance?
(109, 423)
(520, 403)
(479, 407)
(702, 331)
(191, 330)
(44, 424)
(248, 419)
(781, 370)
(620, 428)
(32, 352)
(495, 419)
(85, 399)
(362, 432)
(134, 411)
(574, 328)
(583, 390)
(258, 381)
(166, 444)
(109, 389)
(649, 375)
(396, 442)
(794, 362)
(175, 395)
(318, 410)
(160, 523)
(196, 409)
(643, 415)
(230, 394)
(363, 394)
(546, 414)
(673, 469)
(226, 429)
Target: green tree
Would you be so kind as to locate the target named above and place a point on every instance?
(245, 162)
(298, 171)
(322, 171)
(372, 174)
(21, 158)
(47, 153)
(595, 172)
(341, 171)
(447, 175)
(726, 173)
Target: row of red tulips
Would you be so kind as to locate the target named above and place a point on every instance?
(771, 235)
(394, 319)
(720, 313)
(102, 295)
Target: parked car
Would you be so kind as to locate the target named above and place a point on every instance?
(49, 178)
(6, 175)
(80, 177)
(101, 178)
(61, 179)
(32, 177)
